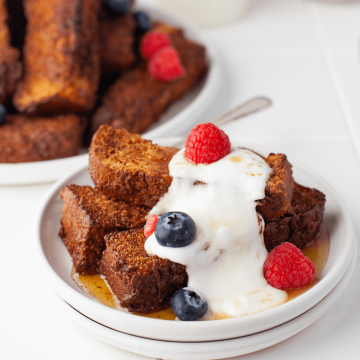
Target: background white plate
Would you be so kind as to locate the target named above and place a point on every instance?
(179, 118)
(208, 350)
(58, 266)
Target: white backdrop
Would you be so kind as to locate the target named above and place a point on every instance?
(304, 55)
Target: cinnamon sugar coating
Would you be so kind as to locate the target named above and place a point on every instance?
(125, 166)
(279, 188)
(87, 216)
(301, 224)
(61, 56)
(141, 282)
(25, 139)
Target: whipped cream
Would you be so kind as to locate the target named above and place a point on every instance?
(225, 261)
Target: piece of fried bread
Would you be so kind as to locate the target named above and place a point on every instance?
(141, 282)
(87, 216)
(300, 227)
(126, 166)
(61, 56)
(26, 138)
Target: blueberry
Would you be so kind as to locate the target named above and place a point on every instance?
(187, 305)
(142, 20)
(175, 229)
(2, 113)
(119, 6)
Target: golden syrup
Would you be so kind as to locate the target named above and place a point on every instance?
(317, 252)
(166, 314)
(96, 287)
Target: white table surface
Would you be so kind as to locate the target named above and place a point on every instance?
(304, 55)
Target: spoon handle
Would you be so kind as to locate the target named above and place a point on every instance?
(247, 108)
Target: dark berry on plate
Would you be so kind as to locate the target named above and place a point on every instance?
(175, 229)
(2, 113)
(187, 305)
(118, 6)
(142, 20)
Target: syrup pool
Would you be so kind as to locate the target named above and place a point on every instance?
(96, 287)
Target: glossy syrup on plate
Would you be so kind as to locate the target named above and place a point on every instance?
(96, 287)
(317, 252)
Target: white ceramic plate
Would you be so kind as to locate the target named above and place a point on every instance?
(39, 171)
(58, 264)
(179, 118)
(208, 350)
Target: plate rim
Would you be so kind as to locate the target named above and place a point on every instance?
(328, 283)
(305, 320)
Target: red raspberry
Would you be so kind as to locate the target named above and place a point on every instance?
(152, 42)
(150, 225)
(206, 144)
(286, 267)
(165, 65)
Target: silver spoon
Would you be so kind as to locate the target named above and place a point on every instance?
(249, 107)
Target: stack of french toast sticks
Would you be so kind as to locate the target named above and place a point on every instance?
(67, 67)
(102, 227)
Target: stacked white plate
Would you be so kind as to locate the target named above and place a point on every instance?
(202, 339)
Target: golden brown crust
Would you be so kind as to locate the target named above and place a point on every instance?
(141, 282)
(10, 66)
(137, 100)
(87, 216)
(279, 188)
(300, 227)
(117, 48)
(61, 56)
(128, 167)
(125, 166)
(27, 139)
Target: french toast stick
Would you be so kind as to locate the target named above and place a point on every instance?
(300, 227)
(279, 188)
(117, 43)
(87, 217)
(61, 57)
(125, 166)
(136, 100)
(26, 138)
(141, 282)
(10, 66)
